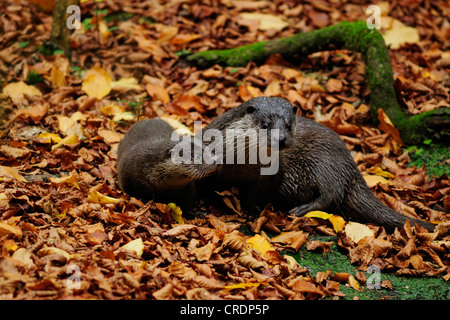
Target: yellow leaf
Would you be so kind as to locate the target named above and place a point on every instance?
(136, 245)
(372, 180)
(400, 34)
(71, 125)
(11, 172)
(337, 221)
(71, 180)
(52, 250)
(47, 137)
(357, 231)
(97, 83)
(124, 116)
(242, 285)
(380, 172)
(125, 84)
(292, 263)
(176, 213)
(97, 197)
(17, 90)
(318, 214)
(259, 244)
(266, 21)
(6, 229)
(112, 109)
(353, 282)
(72, 139)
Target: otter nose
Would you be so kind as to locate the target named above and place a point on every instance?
(282, 142)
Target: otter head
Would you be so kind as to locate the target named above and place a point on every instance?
(271, 113)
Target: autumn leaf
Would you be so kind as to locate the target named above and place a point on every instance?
(373, 180)
(97, 83)
(357, 231)
(387, 126)
(157, 92)
(135, 245)
(70, 139)
(70, 180)
(48, 137)
(400, 34)
(176, 213)
(244, 285)
(337, 221)
(260, 244)
(266, 21)
(6, 229)
(97, 197)
(11, 172)
(17, 91)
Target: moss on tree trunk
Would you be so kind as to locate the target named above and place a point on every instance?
(353, 36)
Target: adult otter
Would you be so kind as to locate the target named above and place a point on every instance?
(316, 170)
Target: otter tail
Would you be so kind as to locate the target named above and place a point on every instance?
(360, 203)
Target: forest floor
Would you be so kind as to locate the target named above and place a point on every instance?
(68, 232)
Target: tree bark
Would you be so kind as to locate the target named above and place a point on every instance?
(353, 36)
(60, 34)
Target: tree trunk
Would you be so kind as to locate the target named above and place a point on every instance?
(60, 35)
(353, 36)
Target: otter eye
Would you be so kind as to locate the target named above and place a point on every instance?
(265, 125)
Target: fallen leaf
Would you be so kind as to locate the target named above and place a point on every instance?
(337, 221)
(125, 84)
(17, 91)
(70, 180)
(352, 282)
(24, 256)
(14, 152)
(6, 229)
(157, 93)
(260, 244)
(243, 285)
(11, 172)
(97, 197)
(35, 112)
(357, 231)
(97, 83)
(400, 34)
(266, 21)
(176, 213)
(52, 250)
(135, 245)
(372, 180)
(387, 126)
(71, 139)
(48, 137)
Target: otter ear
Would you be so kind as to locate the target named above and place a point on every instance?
(251, 109)
(295, 109)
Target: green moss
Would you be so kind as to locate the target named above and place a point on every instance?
(404, 287)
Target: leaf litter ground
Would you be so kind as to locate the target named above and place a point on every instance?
(68, 232)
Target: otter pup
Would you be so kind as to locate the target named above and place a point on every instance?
(316, 170)
(146, 168)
